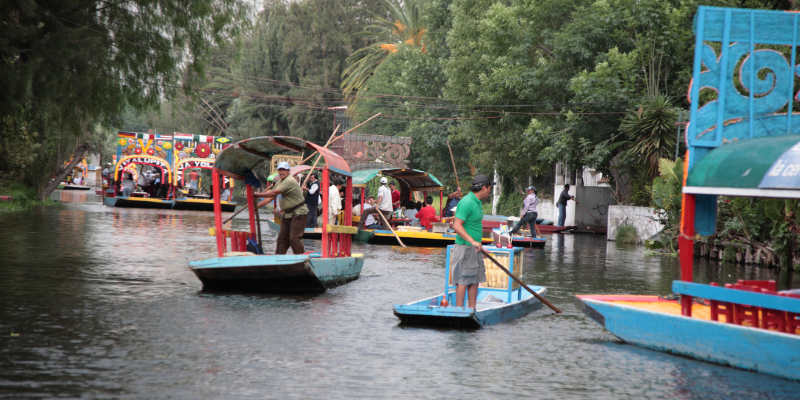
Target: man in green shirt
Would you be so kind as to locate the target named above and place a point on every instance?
(466, 258)
(293, 211)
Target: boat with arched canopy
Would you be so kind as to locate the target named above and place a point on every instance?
(198, 152)
(241, 266)
(142, 149)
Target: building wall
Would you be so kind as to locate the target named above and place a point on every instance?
(642, 218)
(595, 199)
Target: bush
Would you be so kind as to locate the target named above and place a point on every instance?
(627, 234)
(24, 197)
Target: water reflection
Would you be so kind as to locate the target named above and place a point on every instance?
(102, 304)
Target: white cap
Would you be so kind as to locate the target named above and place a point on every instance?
(384, 180)
(283, 165)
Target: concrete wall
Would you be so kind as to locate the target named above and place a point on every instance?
(595, 199)
(642, 218)
(570, 220)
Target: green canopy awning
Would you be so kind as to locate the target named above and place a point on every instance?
(416, 180)
(761, 167)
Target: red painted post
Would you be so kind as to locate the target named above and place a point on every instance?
(348, 202)
(252, 210)
(218, 215)
(686, 248)
(441, 210)
(324, 189)
(364, 189)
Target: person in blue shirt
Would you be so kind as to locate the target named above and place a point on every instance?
(452, 202)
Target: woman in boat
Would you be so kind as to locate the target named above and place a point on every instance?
(293, 211)
(127, 185)
(466, 259)
(411, 212)
(528, 214)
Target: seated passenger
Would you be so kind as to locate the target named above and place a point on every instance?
(371, 222)
(427, 215)
(410, 213)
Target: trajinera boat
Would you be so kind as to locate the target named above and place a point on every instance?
(198, 152)
(241, 269)
(500, 299)
(737, 146)
(409, 180)
(141, 149)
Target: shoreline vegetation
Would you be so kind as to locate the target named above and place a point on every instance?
(22, 198)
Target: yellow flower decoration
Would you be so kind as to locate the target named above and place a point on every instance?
(167, 145)
(122, 142)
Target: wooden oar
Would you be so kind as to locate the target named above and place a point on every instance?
(542, 299)
(454, 164)
(590, 214)
(328, 143)
(390, 228)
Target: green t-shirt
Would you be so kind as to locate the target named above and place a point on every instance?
(291, 196)
(471, 212)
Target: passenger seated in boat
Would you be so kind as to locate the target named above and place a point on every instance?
(371, 222)
(410, 213)
(427, 215)
(356, 208)
(293, 211)
(127, 185)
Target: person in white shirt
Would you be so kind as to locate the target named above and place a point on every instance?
(127, 185)
(370, 221)
(78, 181)
(334, 201)
(384, 206)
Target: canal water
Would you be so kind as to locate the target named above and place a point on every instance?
(99, 303)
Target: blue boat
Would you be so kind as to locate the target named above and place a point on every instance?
(500, 299)
(738, 145)
(517, 240)
(241, 267)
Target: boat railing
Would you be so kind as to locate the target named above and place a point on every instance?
(748, 303)
(340, 240)
(238, 240)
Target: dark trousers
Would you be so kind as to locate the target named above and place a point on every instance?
(374, 210)
(530, 219)
(291, 235)
(311, 222)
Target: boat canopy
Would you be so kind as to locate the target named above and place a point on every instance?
(237, 160)
(759, 167)
(415, 179)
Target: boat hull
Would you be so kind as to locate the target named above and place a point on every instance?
(203, 205)
(277, 273)
(75, 187)
(137, 202)
(427, 312)
(520, 241)
(738, 346)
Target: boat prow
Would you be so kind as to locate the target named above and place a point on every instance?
(137, 202)
(302, 273)
(488, 311)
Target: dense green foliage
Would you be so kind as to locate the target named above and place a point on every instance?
(68, 67)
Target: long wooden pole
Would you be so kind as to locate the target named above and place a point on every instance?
(332, 139)
(390, 228)
(454, 164)
(539, 297)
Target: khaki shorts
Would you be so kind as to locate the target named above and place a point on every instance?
(466, 265)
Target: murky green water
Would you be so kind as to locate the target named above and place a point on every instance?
(99, 303)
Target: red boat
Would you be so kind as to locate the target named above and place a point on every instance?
(494, 221)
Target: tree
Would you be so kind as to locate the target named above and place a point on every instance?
(67, 66)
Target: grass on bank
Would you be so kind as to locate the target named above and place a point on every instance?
(627, 234)
(24, 198)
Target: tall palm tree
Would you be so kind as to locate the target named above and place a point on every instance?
(652, 131)
(403, 27)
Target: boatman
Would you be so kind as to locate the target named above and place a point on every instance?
(466, 258)
(528, 214)
(293, 211)
(383, 206)
(562, 205)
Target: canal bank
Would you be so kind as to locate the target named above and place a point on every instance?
(101, 304)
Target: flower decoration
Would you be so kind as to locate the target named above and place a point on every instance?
(122, 142)
(151, 152)
(131, 141)
(160, 143)
(203, 150)
(213, 156)
(138, 151)
(182, 155)
(178, 146)
(168, 145)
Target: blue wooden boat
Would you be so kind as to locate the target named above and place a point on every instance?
(500, 299)
(241, 268)
(738, 145)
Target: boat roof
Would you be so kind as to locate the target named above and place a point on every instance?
(415, 179)
(237, 160)
(759, 167)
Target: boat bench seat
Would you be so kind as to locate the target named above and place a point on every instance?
(486, 305)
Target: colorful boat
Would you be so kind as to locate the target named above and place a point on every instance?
(737, 146)
(141, 149)
(241, 269)
(500, 299)
(198, 152)
(545, 226)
